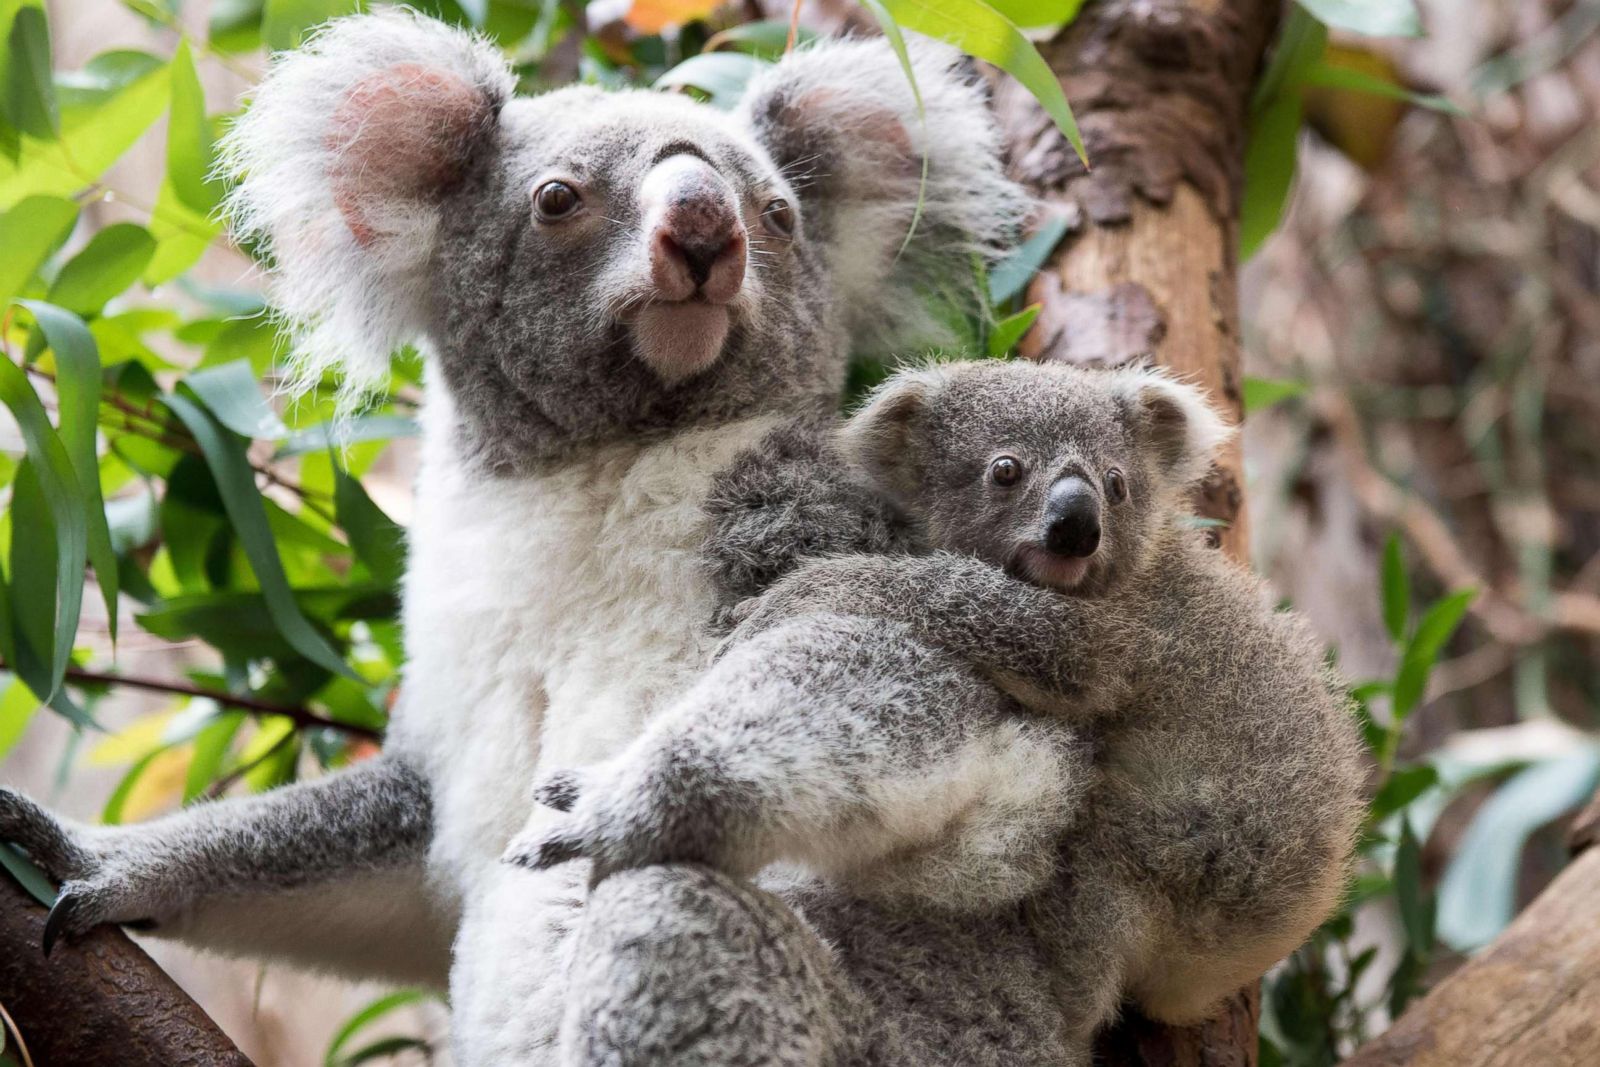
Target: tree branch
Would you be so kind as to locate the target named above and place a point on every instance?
(99, 1000)
(1530, 997)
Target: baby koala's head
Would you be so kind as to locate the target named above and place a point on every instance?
(1060, 475)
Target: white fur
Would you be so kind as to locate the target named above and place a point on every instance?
(546, 618)
(349, 305)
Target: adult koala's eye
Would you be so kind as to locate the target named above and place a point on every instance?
(555, 200)
(1005, 471)
(1116, 486)
(778, 216)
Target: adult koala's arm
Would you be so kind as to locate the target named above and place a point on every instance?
(325, 874)
(1052, 652)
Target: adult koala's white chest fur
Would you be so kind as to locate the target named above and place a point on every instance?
(547, 617)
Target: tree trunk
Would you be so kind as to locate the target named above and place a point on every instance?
(1532, 997)
(98, 1001)
(1149, 269)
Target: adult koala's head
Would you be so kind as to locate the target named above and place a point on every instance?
(586, 265)
(1059, 474)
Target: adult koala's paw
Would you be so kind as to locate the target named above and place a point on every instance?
(96, 885)
(622, 816)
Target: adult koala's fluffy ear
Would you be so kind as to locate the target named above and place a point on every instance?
(343, 157)
(842, 123)
(1176, 422)
(880, 438)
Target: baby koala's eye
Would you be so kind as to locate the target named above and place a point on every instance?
(1005, 471)
(778, 216)
(555, 200)
(1116, 486)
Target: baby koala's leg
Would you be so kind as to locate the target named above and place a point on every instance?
(836, 742)
(292, 874)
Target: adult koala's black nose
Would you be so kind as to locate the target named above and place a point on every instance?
(1072, 518)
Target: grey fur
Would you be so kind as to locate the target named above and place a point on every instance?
(184, 875)
(1213, 837)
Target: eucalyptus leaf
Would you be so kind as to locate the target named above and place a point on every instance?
(235, 480)
(190, 154)
(1008, 331)
(1477, 895)
(369, 1014)
(27, 874)
(62, 498)
(1012, 274)
(29, 233)
(78, 396)
(1374, 18)
(1396, 588)
(720, 76)
(113, 259)
(30, 97)
(984, 33)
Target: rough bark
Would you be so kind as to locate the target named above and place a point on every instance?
(1149, 269)
(98, 1001)
(1531, 997)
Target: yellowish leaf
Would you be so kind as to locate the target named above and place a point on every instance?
(160, 787)
(131, 743)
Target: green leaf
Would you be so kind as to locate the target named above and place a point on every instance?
(1438, 623)
(1328, 76)
(27, 874)
(1375, 18)
(984, 33)
(50, 465)
(113, 259)
(111, 815)
(78, 395)
(383, 1048)
(234, 397)
(190, 155)
(1403, 786)
(1414, 918)
(235, 480)
(1269, 164)
(1477, 895)
(1301, 43)
(1008, 331)
(92, 138)
(721, 76)
(1396, 590)
(1038, 14)
(378, 540)
(18, 706)
(182, 236)
(366, 1016)
(210, 749)
(326, 435)
(1263, 393)
(30, 96)
(765, 38)
(236, 25)
(1011, 275)
(29, 232)
(284, 23)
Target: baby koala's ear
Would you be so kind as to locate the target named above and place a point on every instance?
(842, 123)
(1177, 423)
(342, 160)
(880, 438)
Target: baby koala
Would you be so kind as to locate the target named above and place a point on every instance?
(1071, 701)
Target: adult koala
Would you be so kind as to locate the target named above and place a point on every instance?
(616, 294)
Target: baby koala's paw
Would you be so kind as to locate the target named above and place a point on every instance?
(99, 884)
(619, 818)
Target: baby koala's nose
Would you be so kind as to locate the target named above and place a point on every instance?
(697, 239)
(1072, 518)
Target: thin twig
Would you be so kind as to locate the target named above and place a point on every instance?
(22, 1045)
(300, 716)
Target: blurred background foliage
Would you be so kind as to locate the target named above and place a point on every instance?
(198, 583)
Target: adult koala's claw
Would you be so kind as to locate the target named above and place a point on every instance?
(58, 920)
